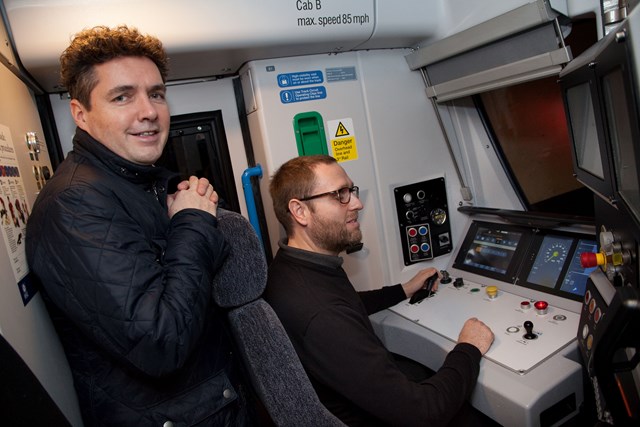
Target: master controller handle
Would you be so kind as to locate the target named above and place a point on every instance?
(528, 326)
(446, 278)
(426, 290)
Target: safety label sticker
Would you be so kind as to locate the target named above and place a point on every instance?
(300, 79)
(341, 74)
(303, 94)
(343, 139)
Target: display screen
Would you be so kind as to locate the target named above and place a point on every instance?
(544, 260)
(492, 249)
(622, 131)
(575, 280)
(553, 264)
(550, 261)
(583, 126)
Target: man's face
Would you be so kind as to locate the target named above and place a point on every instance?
(129, 112)
(334, 226)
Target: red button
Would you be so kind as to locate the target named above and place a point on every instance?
(588, 259)
(541, 306)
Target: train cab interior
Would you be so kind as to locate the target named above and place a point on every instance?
(495, 142)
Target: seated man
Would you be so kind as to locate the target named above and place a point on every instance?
(327, 320)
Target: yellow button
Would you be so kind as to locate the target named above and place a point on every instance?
(492, 291)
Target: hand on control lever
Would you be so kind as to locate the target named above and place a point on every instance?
(446, 278)
(419, 281)
(426, 291)
(477, 334)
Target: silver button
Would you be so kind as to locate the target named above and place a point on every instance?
(168, 424)
(227, 393)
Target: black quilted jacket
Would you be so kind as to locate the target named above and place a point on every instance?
(129, 291)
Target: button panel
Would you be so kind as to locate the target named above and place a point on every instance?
(423, 219)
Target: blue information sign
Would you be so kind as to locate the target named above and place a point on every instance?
(300, 79)
(303, 94)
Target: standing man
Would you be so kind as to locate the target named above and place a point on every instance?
(327, 320)
(127, 268)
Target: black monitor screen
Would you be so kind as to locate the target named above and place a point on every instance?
(542, 259)
(550, 261)
(492, 250)
(553, 264)
(575, 280)
(622, 128)
(583, 127)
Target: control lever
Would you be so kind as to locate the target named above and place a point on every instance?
(425, 291)
(528, 326)
(446, 278)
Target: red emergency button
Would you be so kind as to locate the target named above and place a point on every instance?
(541, 307)
(591, 259)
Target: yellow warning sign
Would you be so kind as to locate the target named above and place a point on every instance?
(341, 131)
(344, 149)
(343, 144)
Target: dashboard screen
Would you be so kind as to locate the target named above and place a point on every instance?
(553, 264)
(575, 280)
(550, 261)
(493, 250)
(545, 260)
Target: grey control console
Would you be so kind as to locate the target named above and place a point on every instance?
(531, 375)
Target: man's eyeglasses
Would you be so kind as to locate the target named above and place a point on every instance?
(343, 195)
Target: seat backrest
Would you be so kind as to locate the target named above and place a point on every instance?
(269, 357)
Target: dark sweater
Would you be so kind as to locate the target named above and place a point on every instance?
(352, 372)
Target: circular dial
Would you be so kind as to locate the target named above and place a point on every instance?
(556, 252)
(438, 216)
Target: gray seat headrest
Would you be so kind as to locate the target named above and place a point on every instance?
(243, 275)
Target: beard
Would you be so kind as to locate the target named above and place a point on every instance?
(334, 236)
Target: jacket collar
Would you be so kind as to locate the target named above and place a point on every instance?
(84, 144)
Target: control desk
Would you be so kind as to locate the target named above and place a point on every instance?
(527, 285)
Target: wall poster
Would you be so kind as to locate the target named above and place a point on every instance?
(14, 212)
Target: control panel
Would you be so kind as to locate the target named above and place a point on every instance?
(597, 299)
(423, 218)
(527, 332)
(609, 341)
(523, 278)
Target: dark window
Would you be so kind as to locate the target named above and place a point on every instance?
(197, 146)
(527, 124)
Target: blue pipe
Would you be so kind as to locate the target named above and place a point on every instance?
(250, 199)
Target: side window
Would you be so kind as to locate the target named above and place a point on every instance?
(527, 124)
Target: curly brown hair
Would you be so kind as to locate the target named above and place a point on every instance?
(295, 179)
(101, 44)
